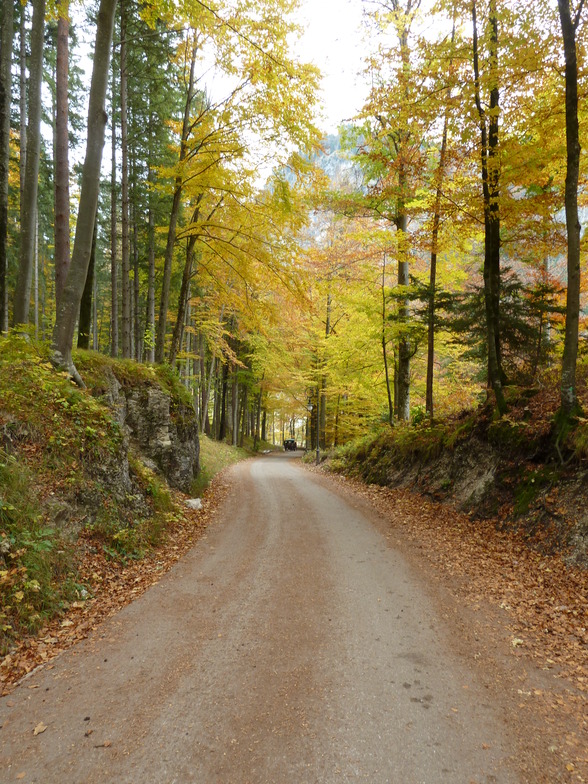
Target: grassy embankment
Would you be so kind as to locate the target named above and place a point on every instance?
(60, 452)
(533, 466)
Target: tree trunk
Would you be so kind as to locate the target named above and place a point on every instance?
(150, 326)
(137, 334)
(569, 26)
(173, 220)
(85, 320)
(440, 176)
(113, 225)
(23, 96)
(125, 262)
(62, 248)
(5, 104)
(244, 405)
(222, 430)
(385, 347)
(76, 279)
(490, 190)
(28, 210)
(235, 408)
(404, 349)
(183, 299)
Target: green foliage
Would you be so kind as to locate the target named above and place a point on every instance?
(59, 449)
(36, 561)
(528, 323)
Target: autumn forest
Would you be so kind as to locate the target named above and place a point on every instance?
(168, 196)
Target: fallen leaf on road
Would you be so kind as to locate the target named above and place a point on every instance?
(39, 728)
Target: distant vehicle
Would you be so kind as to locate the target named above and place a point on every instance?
(290, 445)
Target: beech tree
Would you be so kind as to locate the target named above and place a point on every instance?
(570, 21)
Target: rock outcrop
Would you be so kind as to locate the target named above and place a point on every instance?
(164, 430)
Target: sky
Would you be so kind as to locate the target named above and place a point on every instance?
(333, 41)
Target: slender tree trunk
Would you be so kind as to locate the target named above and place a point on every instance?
(28, 211)
(125, 259)
(205, 426)
(222, 430)
(78, 271)
(85, 320)
(62, 247)
(95, 344)
(433, 274)
(385, 347)
(173, 220)
(113, 225)
(440, 176)
(23, 96)
(7, 38)
(257, 417)
(150, 327)
(235, 407)
(490, 189)
(323, 383)
(404, 348)
(569, 26)
(244, 406)
(137, 334)
(183, 298)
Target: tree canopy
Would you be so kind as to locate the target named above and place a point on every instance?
(428, 256)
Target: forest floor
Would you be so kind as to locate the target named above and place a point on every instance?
(519, 609)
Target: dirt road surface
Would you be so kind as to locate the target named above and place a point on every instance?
(292, 645)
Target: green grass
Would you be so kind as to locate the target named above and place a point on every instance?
(214, 456)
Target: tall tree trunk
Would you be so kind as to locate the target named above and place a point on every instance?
(433, 273)
(114, 342)
(222, 430)
(490, 190)
(235, 407)
(385, 347)
(323, 382)
(7, 38)
(28, 209)
(205, 425)
(23, 96)
(439, 178)
(78, 271)
(173, 220)
(404, 348)
(257, 416)
(150, 326)
(95, 345)
(183, 297)
(244, 405)
(62, 248)
(125, 262)
(569, 27)
(85, 320)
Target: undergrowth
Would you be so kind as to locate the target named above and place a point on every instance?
(61, 449)
(214, 456)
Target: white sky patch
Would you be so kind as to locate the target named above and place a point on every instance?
(333, 41)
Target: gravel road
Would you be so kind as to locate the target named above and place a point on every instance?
(292, 645)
